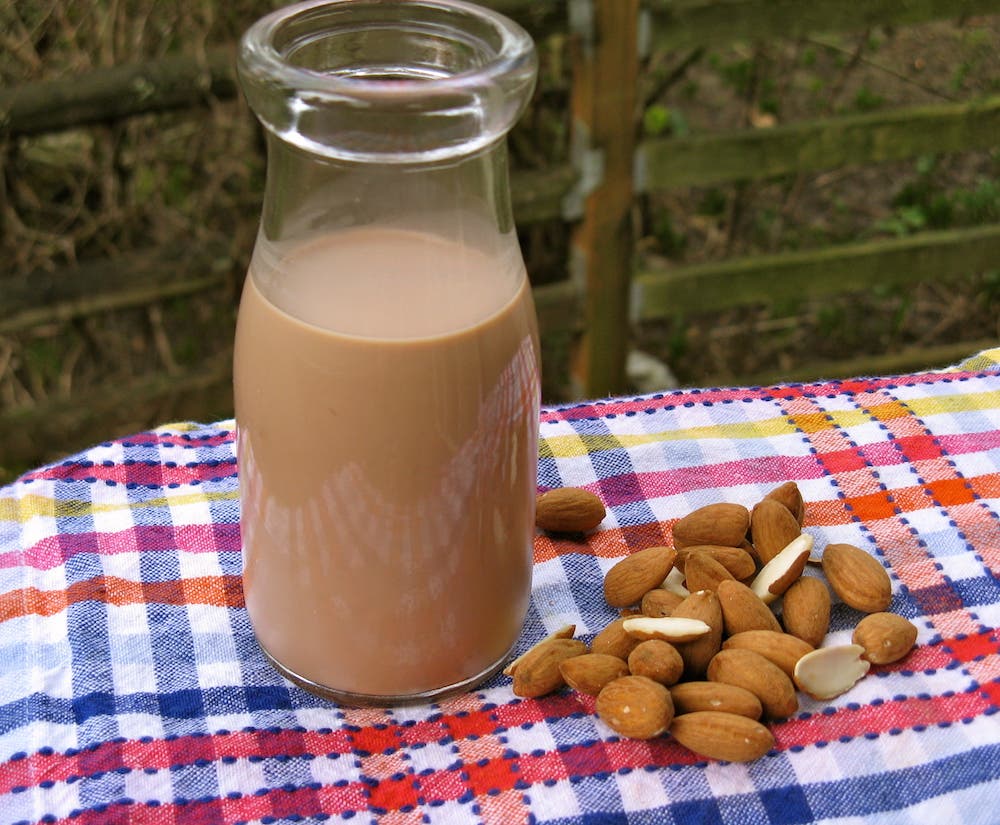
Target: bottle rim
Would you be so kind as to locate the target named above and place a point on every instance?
(260, 55)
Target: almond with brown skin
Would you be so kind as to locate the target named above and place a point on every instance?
(702, 572)
(656, 660)
(636, 707)
(568, 510)
(751, 671)
(690, 697)
(614, 641)
(773, 527)
(738, 561)
(885, 637)
(782, 649)
(725, 736)
(564, 632)
(857, 578)
(592, 671)
(701, 606)
(538, 673)
(743, 610)
(713, 524)
(790, 495)
(805, 610)
(660, 602)
(635, 575)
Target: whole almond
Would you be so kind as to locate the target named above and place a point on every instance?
(857, 578)
(885, 637)
(782, 649)
(725, 736)
(805, 610)
(636, 707)
(568, 510)
(701, 606)
(631, 578)
(743, 610)
(702, 572)
(751, 671)
(614, 641)
(656, 660)
(660, 602)
(690, 697)
(722, 523)
(772, 528)
(538, 671)
(592, 671)
(789, 495)
(737, 560)
(565, 632)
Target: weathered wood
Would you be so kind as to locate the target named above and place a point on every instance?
(538, 194)
(604, 113)
(681, 24)
(129, 280)
(834, 270)
(559, 307)
(809, 146)
(113, 93)
(46, 431)
(910, 359)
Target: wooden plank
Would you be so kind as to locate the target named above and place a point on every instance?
(537, 194)
(559, 307)
(112, 93)
(129, 280)
(910, 359)
(834, 270)
(681, 24)
(810, 146)
(603, 102)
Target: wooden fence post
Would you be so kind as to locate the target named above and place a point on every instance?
(603, 102)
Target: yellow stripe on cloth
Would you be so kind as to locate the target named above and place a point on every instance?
(38, 506)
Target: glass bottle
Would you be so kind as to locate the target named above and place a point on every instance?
(386, 371)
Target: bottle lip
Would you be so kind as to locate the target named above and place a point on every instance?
(259, 55)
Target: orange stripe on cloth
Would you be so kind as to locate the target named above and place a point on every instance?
(217, 591)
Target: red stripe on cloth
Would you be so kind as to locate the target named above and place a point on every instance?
(53, 551)
(219, 591)
(141, 473)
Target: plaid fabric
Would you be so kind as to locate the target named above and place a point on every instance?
(132, 689)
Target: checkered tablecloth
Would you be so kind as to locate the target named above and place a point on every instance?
(132, 690)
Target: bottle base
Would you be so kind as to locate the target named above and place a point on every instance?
(370, 700)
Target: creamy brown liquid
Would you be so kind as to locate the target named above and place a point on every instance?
(387, 442)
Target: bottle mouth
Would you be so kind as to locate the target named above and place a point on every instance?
(384, 81)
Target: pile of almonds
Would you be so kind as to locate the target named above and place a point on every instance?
(698, 649)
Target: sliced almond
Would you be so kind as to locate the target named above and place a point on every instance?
(783, 570)
(674, 582)
(667, 628)
(830, 671)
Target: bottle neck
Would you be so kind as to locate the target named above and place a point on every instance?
(465, 199)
